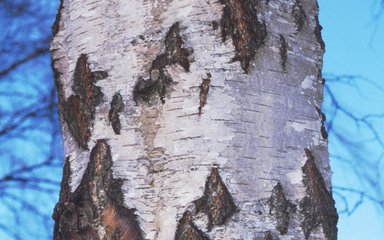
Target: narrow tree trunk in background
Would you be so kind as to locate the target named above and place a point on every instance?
(192, 119)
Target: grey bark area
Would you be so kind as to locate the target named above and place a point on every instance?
(192, 120)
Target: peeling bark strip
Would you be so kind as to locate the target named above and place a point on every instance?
(204, 88)
(217, 202)
(96, 204)
(279, 208)
(79, 109)
(159, 81)
(318, 206)
(186, 230)
(240, 21)
(283, 52)
(117, 106)
(298, 15)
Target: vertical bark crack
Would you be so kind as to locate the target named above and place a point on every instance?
(298, 15)
(96, 203)
(240, 21)
(157, 86)
(318, 207)
(283, 52)
(79, 109)
(117, 106)
(217, 202)
(317, 32)
(204, 89)
(186, 230)
(323, 130)
(280, 208)
(56, 24)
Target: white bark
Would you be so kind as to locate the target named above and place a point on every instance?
(254, 126)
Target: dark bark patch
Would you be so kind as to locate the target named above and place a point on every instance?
(298, 15)
(79, 109)
(157, 86)
(117, 106)
(215, 25)
(186, 230)
(269, 236)
(317, 32)
(217, 202)
(323, 130)
(248, 33)
(279, 207)
(97, 202)
(56, 24)
(318, 207)
(283, 52)
(204, 89)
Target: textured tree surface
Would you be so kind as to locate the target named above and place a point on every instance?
(192, 120)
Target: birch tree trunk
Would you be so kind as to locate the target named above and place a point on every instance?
(192, 119)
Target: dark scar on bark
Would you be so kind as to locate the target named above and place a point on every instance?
(268, 236)
(159, 82)
(97, 201)
(248, 33)
(317, 32)
(298, 15)
(215, 25)
(283, 52)
(280, 208)
(79, 108)
(323, 130)
(217, 202)
(318, 206)
(56, 24)
(204, 89)
(117, 106)
(186, 229)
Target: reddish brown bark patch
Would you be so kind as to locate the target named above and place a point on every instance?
(217, 202)
(240, 21)
(159, 83)
(186, 230)
(97, 202)
(204, 89)
(318, 207)
(79, 109)
(117, 106)
(298, 15)
(280, 208)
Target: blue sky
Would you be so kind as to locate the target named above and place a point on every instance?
(354, 46)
